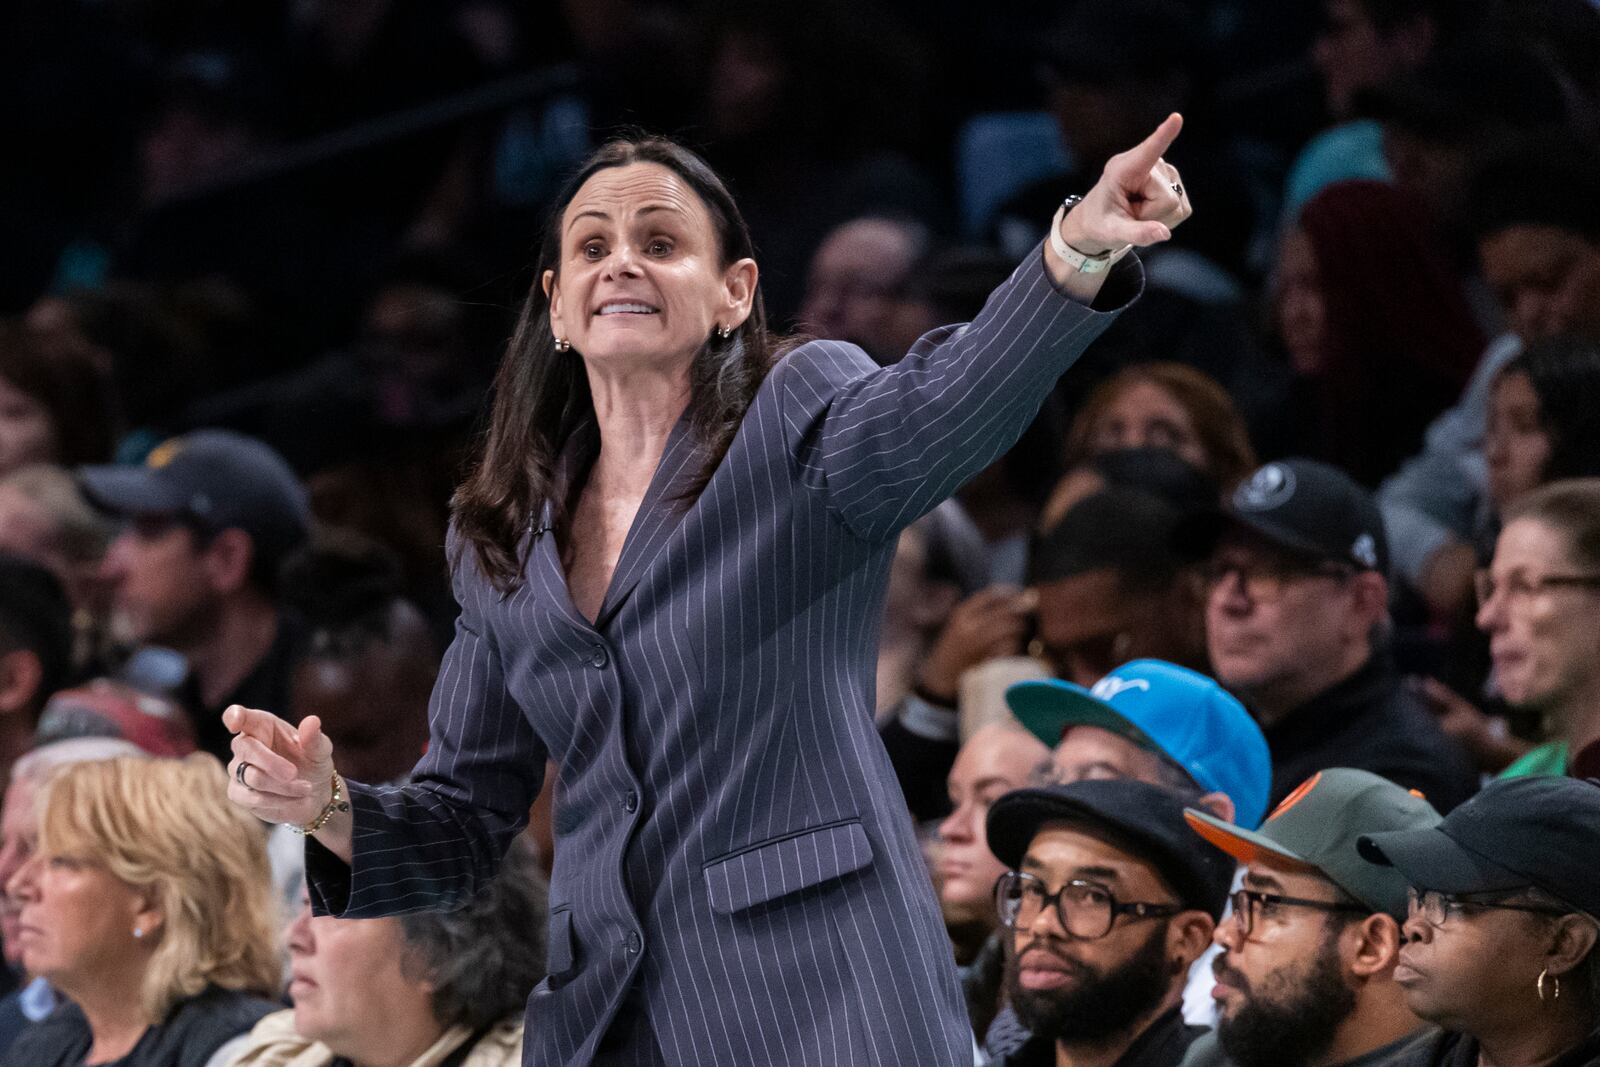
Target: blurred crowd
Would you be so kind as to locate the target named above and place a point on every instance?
(1313, 530)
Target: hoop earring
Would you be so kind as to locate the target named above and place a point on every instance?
(1555, 983)
(563, 345)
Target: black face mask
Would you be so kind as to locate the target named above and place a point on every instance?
(1100, 1005)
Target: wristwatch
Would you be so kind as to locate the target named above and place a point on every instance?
(1081, 262)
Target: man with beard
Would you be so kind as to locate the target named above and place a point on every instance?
(1306, 975)
(1108, 900)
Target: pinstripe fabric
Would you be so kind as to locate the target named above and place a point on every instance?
(732, 845)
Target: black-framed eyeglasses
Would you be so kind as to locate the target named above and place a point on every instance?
(1436, 907)
(1251, 904)
(1518, 586)
(1085, 910)
(1266, 578)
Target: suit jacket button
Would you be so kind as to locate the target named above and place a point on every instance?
(630, 801)
(633, 943)
(599, 657)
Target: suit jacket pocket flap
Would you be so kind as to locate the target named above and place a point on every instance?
(787, 865)
(560, 958)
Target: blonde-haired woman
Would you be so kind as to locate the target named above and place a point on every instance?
(149, 905)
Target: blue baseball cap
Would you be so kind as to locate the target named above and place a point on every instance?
(1170, 710)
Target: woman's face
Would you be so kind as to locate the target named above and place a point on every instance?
(1302, 318)
(26, 435)
(348, 984)
(1481, 965)
(1516, 447)
(641, 282)
(1542, 637)
(76, 920)
(1144, 415)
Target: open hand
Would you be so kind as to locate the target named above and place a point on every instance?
(287, 772)
(1137, 201)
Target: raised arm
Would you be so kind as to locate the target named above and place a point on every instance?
(887, 444)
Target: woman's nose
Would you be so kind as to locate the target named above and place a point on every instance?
(623, 262)
(298, 934)
(21, 887)
(957, 826)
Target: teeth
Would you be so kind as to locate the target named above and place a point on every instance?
(627, 309)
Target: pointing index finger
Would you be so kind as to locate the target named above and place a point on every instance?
(1142, 158)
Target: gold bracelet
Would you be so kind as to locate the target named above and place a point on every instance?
(336, 804)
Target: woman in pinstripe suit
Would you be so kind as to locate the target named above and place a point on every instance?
(670, 561)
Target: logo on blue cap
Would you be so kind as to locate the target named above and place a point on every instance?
(1171, 710)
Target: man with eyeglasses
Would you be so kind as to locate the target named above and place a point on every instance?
(1306, 976)
(1108, 899)
(1502, 940)
(1297, 619)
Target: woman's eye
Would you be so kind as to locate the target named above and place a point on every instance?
(593, 250)
(659, 247)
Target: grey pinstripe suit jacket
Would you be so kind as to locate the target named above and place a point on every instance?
(732, 845)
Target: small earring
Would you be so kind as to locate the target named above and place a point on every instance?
(563, 345)
(138, 931)
(723, 333)
(1555, 983)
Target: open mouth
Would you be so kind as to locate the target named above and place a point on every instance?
(618, 307)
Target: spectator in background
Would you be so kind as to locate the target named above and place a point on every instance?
(56, 403)
(1378, 347)
(1154, 722)
(1109, 587)
(19, 839)
(998, 758)
(1169, 406)
(938, 562)
(148, 905)
(209, 519)
(1465, 104)
(1501, 938)
(45, 518)
(35, 651)
(1157, 471)
(1541, 257)
(1159, 723)
(1297, 626)
(1306, 976)
(1361, 46)
(414, 991)
(1108, 900)
(370, 659)
(1537, 604)
(1544, 419)
(856, 280)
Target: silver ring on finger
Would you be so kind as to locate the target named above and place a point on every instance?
(238, 774)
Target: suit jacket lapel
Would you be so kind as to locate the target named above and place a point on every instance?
(658, 516)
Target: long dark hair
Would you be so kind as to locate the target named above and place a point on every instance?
(541, 395)
(1565, 375)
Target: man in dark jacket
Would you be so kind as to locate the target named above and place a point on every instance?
(1297, 616)
(1108, 900)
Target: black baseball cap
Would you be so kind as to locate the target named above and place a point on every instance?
(1123, 529)
(1518, 833)
(215, 479)
(1140, 818)
(1301, 505)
